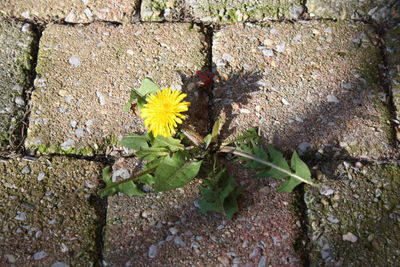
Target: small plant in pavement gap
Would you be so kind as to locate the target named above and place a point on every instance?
(173, 155)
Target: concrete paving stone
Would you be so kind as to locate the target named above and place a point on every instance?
(75, 11)
(393, 52)
(378, 10)
(167, 229)
(354, 220)
(85, 75)
(219, 11)
(47, 214)
(305, 85)
(16, 45)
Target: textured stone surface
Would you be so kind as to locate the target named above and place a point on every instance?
(166, 229)
(219, 11)
(378, 10)
(313, 82)
(85, 74)
(16, 43)
(46, 212)
(75, 11)
(393, 55)
(354, 218)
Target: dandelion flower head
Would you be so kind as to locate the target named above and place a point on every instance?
(162, 112)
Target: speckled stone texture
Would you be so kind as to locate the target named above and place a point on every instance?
(167, 229)
(354, 218)
(393, 55)
(85, 75)
(306, 85)
(75, 11)
(219, 11)
(378, 10)
(47, 214)
(16, 45)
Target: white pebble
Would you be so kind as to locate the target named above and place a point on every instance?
(102, 100)
(152, 251)
(74, 61)
(280, 47)
(268, 52)
(40, 176)
(59, 264)
(350, 237)
(73, 123)
(284, 101)
(332, 99)
(21, 216)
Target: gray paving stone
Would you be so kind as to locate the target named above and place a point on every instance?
(46, 212)
(75, 11)
(167, 229)
(354, 219)
(219, 11)
(85, 74)
(16, 44)
(378, 10)
(393, 52)
(314, 82)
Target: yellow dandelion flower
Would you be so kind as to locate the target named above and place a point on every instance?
(162, 112)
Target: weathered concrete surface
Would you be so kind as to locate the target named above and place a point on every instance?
(16, 44)
(305, 85)
(219, 11)
(75, 11)
(393, 55)
(166, 229)
(47, 213)
(378, 10)
(354, 219)
(85, 74)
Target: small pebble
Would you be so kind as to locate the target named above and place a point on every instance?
(173, 230)
(284, 101)
(21, 216)
(10, 258)
(332, 99)
(152, 251)
(350, 237)
(280, 47)
(262, 262)
(26, 170)
(73, 123)
(40, 255)
(59, 264)
(74, 61)
(179, 241)
(40, 176)
(326, 191)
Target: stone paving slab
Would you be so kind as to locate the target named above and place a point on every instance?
(305, 85)
(393, 52)
(378, 10)
(219, 11)
(167, 229)
(354, 219)
(16, 48)
(47, 214)
(75, 11)
(85, 74)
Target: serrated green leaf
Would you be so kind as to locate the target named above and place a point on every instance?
(106, 174)
(222, 197)
(250, 135)
(175, 171)
(141, 100)
(278, 160)
(230, 203)
(129, 188)
(147, 87)
(171, 143)
(301, 169)
(152, 153)
(135, 141)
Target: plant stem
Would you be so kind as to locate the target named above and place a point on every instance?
(228, 149)
(133, 177)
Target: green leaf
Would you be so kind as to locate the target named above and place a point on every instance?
(207, 140)
(278, 160)
(216, 129)
(301, 169)
(146, 179)
(106, 173)
(141, 100)
(171, 143)
(175, 171)
(129, 188)
(135, 141)
(147, 87)
(152, 153)
(250, 135)
(220, 195)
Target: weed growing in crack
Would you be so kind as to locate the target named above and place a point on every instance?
(174, 156)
